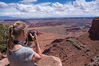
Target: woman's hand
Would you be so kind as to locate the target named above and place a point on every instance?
(33, 37)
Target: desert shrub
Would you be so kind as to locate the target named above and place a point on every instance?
(2, 47)
(3, 36)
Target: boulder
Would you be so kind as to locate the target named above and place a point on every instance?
(49, 61)
(4, 62)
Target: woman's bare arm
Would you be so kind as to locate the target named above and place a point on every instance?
(38, 50)
(38, 53)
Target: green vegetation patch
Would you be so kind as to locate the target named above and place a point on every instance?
(3, 36)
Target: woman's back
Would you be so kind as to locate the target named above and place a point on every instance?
(21, 57)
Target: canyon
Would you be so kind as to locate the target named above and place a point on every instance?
(73, 40)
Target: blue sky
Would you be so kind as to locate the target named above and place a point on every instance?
(41, 1)
(49, 8)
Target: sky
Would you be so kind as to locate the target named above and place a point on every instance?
(49, 8)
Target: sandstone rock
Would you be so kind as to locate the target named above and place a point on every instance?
(94, 61)
(94, 31)
(45, 61)
(49, 61)
(4, 62)
(68, 52)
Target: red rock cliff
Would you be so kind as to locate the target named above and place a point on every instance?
(94, 31)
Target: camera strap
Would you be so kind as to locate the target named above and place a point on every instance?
(15, 42)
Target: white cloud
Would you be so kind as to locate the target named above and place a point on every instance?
(45, 4)
(28, 1)
(97, 1)
(48, 9)
(58, 5)
(3, 5)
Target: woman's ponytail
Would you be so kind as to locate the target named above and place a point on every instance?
(10, 45)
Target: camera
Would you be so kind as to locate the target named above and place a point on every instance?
(29, 37)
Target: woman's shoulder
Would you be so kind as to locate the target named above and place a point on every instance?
(23, 50)
(27, 49)
(17, 47)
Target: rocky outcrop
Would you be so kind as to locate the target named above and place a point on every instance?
(44, 61)
(93, 61)
(94, 31)
(49, 61)
(74, 51)
(78, 51)
(4, 62)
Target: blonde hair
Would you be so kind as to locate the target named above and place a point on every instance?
(15, 30)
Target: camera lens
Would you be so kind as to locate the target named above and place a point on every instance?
(29, 37)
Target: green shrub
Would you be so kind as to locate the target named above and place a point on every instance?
(3, 36)
(2, 47)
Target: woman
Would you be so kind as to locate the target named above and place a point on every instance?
(18, 54)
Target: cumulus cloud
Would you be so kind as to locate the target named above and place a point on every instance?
(48, 9)
(97, 1)
(3, 5)
(28, 1)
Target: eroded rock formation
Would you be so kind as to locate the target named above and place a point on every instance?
(94, 31)
(77, 51)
